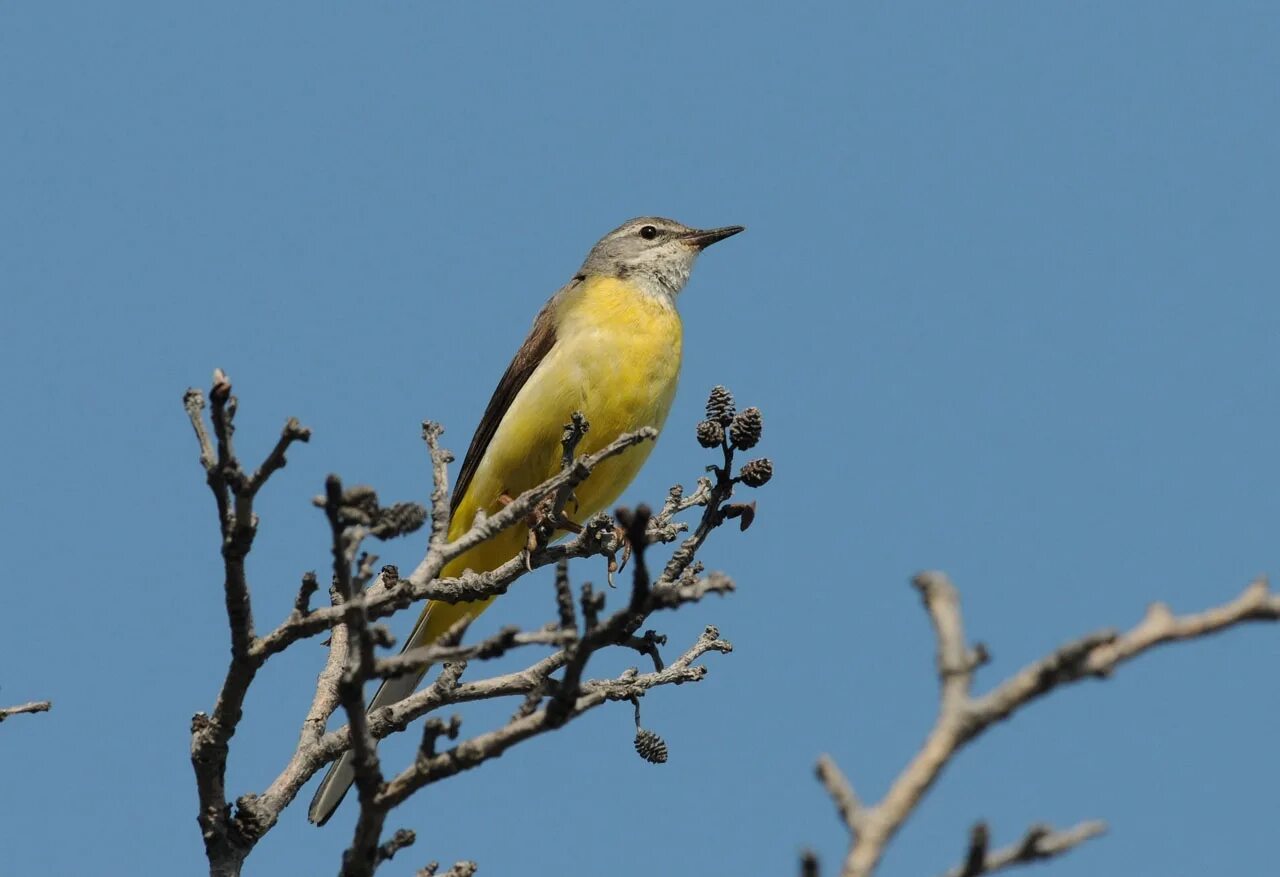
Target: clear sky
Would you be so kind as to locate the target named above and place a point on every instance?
(1007, 298)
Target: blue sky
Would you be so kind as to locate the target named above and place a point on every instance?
(1007, 299)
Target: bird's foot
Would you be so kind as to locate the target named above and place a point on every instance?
(544, 522)
(624, 545)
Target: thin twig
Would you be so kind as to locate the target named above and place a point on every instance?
(422, 585)
(475, 751)
(962, 717)
(1039, 843)
(231, 831)
(35, 706)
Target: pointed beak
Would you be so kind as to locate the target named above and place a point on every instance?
(700, 239)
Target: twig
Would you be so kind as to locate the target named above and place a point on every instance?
(961, 717)
(365, 852)
(440, 460)
(493, 647)
(293, 432)
(841, 792)
(564, 597)
(35, 706)
(423, 585)
(1039, 843)
(231, 832)
(475, 751)
(516, 511)
(459, 869)
(401, 839)
(228, 841)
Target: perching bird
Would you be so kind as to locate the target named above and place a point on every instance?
(608, 345)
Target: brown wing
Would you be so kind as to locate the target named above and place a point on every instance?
(542, 337)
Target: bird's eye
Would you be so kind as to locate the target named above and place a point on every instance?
(648, 232)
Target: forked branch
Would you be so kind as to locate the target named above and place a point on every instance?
(963, 716)
(552, 690)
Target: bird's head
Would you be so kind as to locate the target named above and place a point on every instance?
(654, 253)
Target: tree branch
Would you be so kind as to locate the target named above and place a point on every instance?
(35, 706)
(1039, 843)
(422, 584)
(475, 751)
(357, 601)
(962, 717)
(225, 844)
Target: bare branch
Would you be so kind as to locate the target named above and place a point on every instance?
(423, 585)
(226, 842)
(35, 706)
(477, 750)
(366, 851)
(302, 603)
(440, 460)
(493, 647)
(401, 839)
(193, 402)
(955, 667)
(293, 432)
(547, 702)
(841, 792)
(459, 869)
(962, 717)
(515, 511)
(1099, 654)
(1039, 843)
(574, 432)
(564, 597)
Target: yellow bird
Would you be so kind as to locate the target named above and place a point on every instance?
(606, 344)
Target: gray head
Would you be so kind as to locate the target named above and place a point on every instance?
(654, 253)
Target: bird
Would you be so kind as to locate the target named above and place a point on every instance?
(606, 344)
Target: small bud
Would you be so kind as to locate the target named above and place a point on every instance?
(720, 405)
(650, 746)
(747, 426)
(710, 433)
(221, 389)
(756, 473)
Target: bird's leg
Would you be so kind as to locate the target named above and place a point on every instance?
(544, 522)
(624, 543)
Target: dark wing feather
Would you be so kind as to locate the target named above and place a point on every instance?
(542, 337)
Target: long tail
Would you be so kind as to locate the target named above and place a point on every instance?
(436, 620)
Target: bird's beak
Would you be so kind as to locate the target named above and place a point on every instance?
(700, 239)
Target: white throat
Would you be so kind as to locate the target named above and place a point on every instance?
(661, 279)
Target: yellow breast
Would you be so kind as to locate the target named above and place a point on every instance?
(616, 359)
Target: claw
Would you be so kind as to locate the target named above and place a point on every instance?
(620, 536)
(543, 523)
(621, 533)
(530, 545)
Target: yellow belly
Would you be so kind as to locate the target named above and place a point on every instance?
(616, 359)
